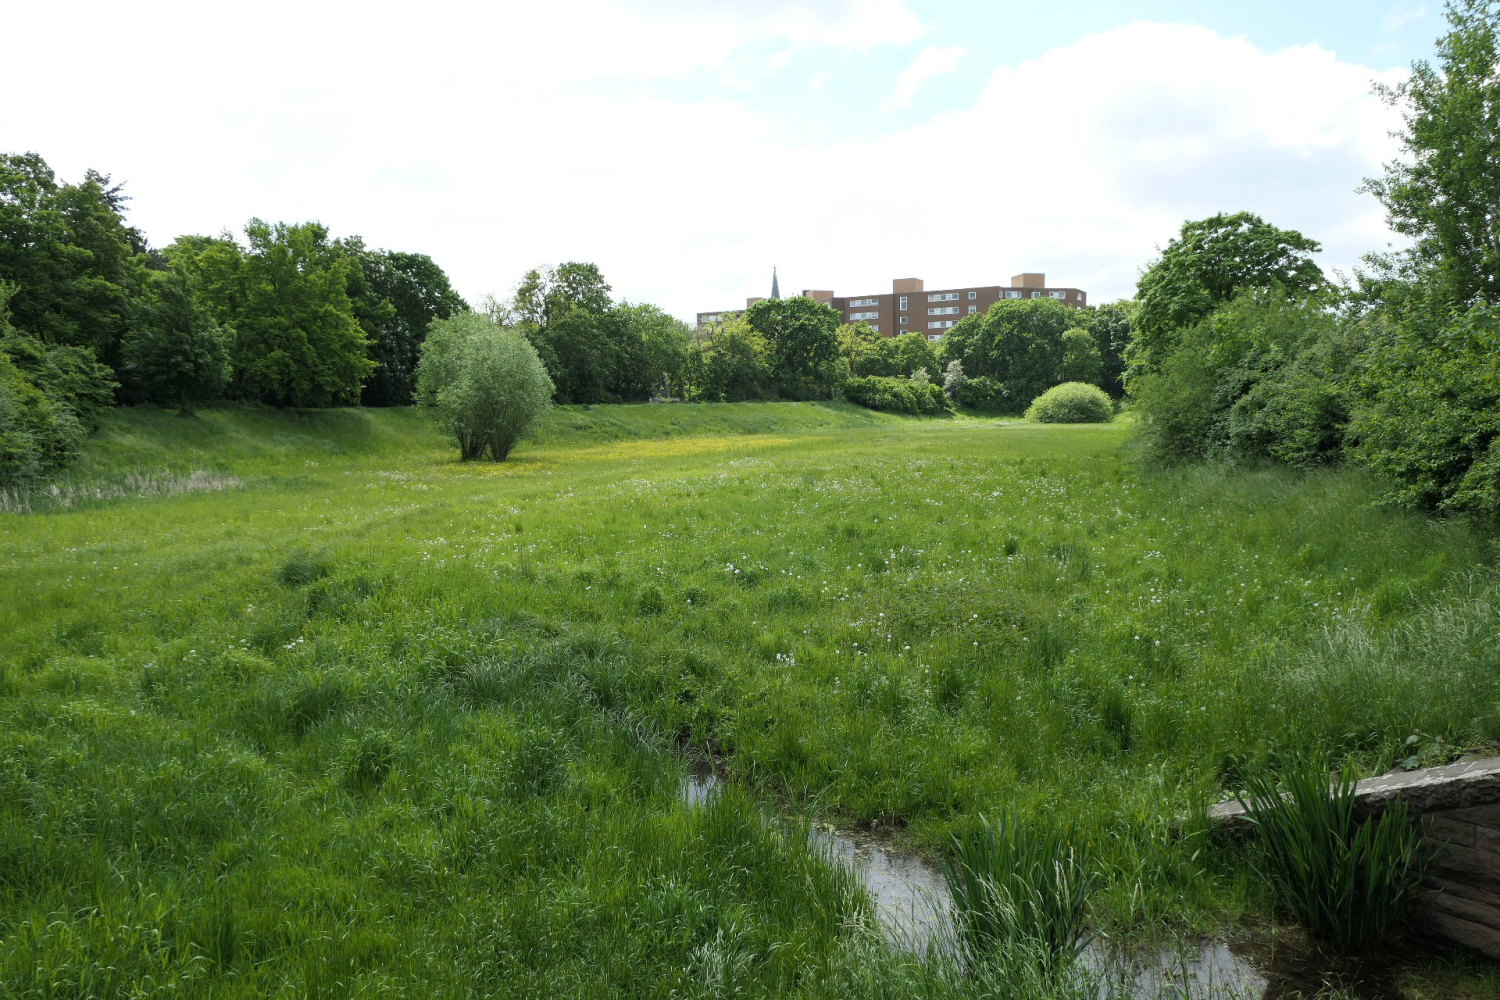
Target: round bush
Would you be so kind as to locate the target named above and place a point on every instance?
(1072, 403)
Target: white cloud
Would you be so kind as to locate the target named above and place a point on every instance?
(779, 60)
(506, 141)
(819, 80)
(931, 62)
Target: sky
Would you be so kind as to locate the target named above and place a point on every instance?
(688, 146)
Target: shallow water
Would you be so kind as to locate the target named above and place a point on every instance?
(911, 900)
(913, 907)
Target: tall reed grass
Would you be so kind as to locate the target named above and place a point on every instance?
(1345, 880)
(1020, 894)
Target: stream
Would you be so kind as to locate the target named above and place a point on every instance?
(913, 906)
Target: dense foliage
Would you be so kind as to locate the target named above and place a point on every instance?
(486, 381)
(802, 344)
(51, 397)
(75, 265)
(895, 395)
(1072, 403)
(1020, 347)
(396, 297)
(1401, 373)
(1209, 263)
(175, 353)
(896, 357)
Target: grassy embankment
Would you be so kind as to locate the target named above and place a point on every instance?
(376, 722)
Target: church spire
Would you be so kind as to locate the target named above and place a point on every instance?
(775, 288)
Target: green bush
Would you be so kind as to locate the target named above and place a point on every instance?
(895, 395)
(1269, 376)
(1345, 881)
(982, 393)
(1072, 403)
(488, 383)
(1433, 425)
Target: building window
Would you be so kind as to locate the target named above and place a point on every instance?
(903, 302)
(1036, 295)
(943, 311)
(973, 295)
(973, 309)
(1058, 295)
(903, 319)
(943, 297)
(940, 324)
(855, 316)
(864, 302)
(1013, 295)
(934, 336)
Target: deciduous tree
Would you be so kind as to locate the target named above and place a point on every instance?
(1207, 265)
(803, 339)
(175, 353)
(1445, 194)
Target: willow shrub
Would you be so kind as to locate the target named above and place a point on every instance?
(486, 381)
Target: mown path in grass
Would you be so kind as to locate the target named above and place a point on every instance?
(379, 719)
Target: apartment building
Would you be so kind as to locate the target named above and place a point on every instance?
(910, 308)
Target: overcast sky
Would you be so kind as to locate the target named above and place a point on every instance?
(686, 146)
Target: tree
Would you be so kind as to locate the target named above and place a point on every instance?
(175, 352)
(1080, 361)
(67, 248)
(1017, 343)
(653, 350)
(396, 299)
(1208, 264)
(802, 336)
(954, 379)
(1111, 326)
(732, 365)
(856, 340)
(286, 296)
(546, 293)
(1445, 195)
(487, 382)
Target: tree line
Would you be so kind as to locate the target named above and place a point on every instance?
(284, 314)
(1243, 351)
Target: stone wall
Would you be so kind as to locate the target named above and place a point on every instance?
(1459, 808)
(1465, 871)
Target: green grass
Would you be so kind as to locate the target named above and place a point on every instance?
(376, 722)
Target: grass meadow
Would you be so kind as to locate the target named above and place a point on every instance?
(357, 719)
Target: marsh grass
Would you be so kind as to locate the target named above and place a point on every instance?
(380, 723)
(70, 494)
(1020, 895)
(1347, 881)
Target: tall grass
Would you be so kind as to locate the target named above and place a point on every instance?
(1020, 894)
(1345, 880)
(380, 723)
